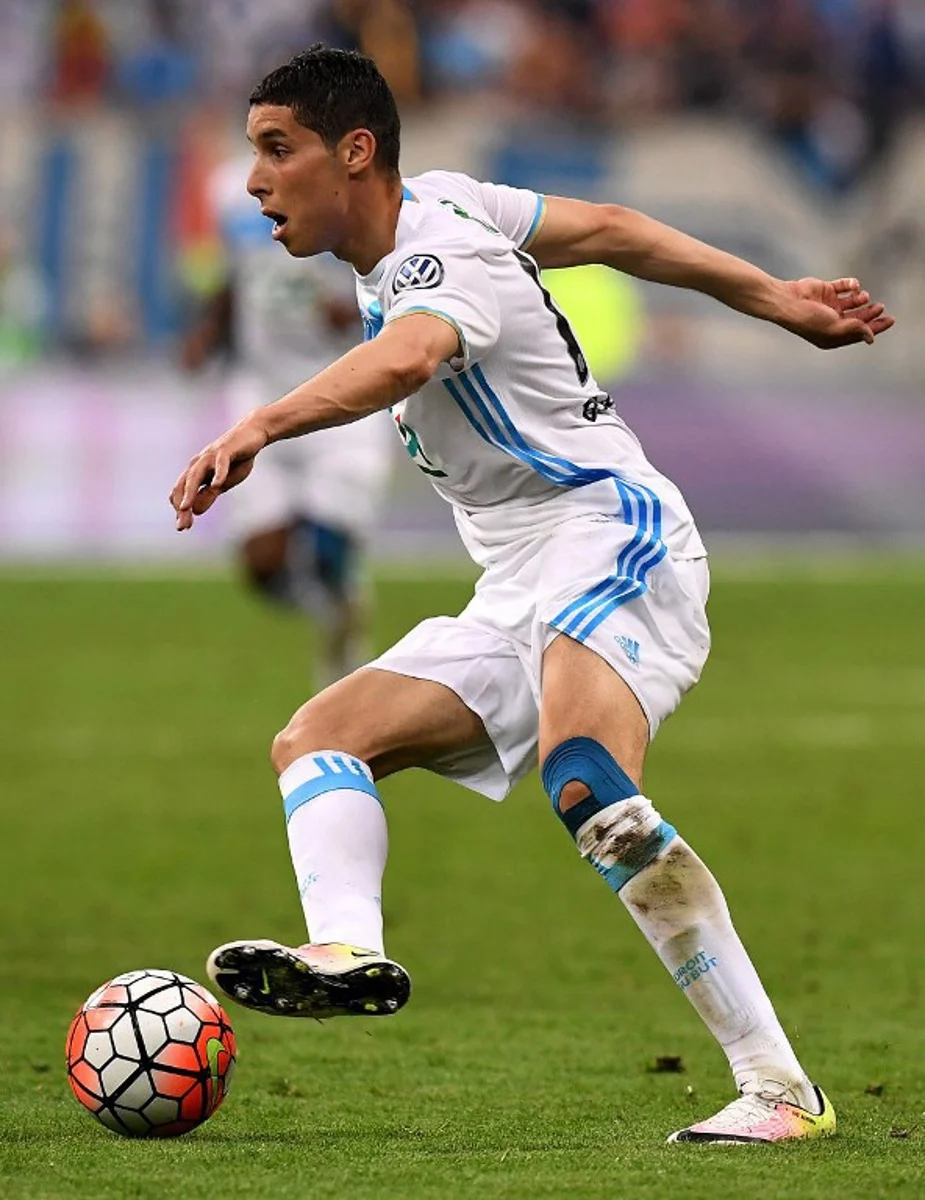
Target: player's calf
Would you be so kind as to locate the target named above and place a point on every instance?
(679, 907)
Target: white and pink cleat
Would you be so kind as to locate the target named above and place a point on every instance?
(758, 1118)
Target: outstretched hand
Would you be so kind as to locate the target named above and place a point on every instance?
(832, 313)
(222, 465)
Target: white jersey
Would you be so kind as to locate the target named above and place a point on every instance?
(515, 433)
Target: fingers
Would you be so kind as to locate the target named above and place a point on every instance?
(848, 284)
(176, 492)
(863, 330)
(874, 319)
(866, 312)
(220, 467)
(192, 481)
(204, 499)
(882, 324)
(216, 470)
(846, 333)
(847, 301)
(198, 474)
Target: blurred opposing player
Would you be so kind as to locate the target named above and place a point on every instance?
(588, 623)
(302, 525)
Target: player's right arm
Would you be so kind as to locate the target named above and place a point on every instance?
(372, 376)
(827, 313)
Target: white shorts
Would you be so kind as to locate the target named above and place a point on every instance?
(336, 477)
(491, 654)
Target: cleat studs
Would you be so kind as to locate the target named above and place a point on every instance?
(242, 992)
(248, 951)
(391, 1005)
(371, 1007)
(373, 972)
(301, 966)
(282, 1004)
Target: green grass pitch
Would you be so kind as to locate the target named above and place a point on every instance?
(141, 826)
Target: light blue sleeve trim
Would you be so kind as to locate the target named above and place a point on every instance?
(435, 312)
(536, 222)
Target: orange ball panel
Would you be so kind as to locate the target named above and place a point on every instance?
(87, 1076)
(76, 1037)
(101, 1018)
(166, 1083)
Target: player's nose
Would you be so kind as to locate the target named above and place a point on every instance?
(255, 184)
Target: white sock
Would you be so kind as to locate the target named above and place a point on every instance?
(679, 907)
(338, 840)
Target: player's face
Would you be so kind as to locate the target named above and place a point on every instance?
(301, 185)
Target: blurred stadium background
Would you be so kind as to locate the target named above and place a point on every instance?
(791, 131)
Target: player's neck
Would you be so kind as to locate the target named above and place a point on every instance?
(375, 206)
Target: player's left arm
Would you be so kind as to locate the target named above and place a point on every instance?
(827, 313)
(372, 376)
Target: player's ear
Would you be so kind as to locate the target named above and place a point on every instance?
(357, 150)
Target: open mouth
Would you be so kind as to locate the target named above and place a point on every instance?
(279, 220)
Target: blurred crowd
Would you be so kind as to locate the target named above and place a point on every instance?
(827, 81)
(827, 78)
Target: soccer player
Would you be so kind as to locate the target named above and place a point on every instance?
(588, 623)
(302, 524)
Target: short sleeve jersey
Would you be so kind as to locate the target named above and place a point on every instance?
(516, 420)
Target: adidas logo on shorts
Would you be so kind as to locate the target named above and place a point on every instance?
(630, 648)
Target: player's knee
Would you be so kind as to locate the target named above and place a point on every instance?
(282, 751)
(275, 586)
(572, 793)
(615, 827)
(318, 725)
(264, 555)
(300, 736)
(581, 777)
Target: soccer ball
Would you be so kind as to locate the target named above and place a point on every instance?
(150, 1054)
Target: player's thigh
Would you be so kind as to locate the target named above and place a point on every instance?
(265, 552)
(388, 720)
(618, 668)
(583, 696)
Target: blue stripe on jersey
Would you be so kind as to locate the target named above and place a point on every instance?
(641, 507)
(537, 217)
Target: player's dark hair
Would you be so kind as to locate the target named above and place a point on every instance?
(332, 92)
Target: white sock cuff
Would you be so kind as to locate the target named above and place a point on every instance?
(310, 766)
